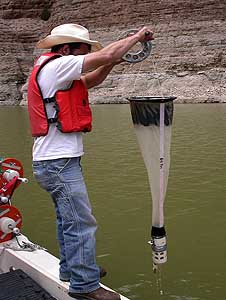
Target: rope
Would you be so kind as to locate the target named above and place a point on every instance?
(2, 250)
(25, 246)
(137, 76)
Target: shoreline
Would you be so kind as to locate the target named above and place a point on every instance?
(113, 102)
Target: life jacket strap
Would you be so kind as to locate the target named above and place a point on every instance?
(49, 100)
(52, 120)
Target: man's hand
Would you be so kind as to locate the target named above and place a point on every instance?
(145, 34)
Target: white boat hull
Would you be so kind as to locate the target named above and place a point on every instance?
(40, 265)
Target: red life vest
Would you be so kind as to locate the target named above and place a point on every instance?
(73, 113)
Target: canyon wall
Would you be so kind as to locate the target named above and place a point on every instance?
(188, 58)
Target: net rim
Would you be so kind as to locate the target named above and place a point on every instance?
(158, 99)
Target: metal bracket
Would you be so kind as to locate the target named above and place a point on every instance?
(140, 55)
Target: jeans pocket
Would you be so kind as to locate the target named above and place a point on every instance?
(61, 164)
(38, 169)
(40, 174)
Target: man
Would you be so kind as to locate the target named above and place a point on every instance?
(59, 112)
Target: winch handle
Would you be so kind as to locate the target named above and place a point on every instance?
(23, 179)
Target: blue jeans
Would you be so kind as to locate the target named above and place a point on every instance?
(76, 226)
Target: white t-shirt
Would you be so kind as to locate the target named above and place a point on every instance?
(56, 75)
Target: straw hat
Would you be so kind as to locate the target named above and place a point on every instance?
(68, 33)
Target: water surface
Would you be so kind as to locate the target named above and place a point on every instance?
(118, 187)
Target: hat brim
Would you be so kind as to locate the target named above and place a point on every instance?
(51, 41)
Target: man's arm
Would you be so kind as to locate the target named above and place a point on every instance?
(115, 51)
(97, 76)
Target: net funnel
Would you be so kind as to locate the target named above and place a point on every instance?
(152, 119)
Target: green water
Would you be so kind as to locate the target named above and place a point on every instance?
(195, 205)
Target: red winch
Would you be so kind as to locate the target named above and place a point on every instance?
(11, 176)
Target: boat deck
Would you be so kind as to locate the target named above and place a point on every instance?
(18, 285)
(40, 265)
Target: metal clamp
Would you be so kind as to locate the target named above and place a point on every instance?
(140, 55)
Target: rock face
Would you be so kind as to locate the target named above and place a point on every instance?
(188, 59)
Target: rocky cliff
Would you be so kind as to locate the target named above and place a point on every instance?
(188, 57)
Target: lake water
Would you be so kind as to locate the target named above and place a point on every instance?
(117, 182)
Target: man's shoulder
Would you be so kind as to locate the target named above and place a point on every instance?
(69, 58)
(66, 61)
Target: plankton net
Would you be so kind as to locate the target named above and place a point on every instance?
(152, 118)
